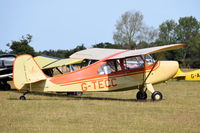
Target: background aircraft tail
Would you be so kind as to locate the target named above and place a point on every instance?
(180, 74)
(26, 71)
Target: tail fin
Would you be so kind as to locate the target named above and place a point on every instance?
(26, 71)
(179, 74)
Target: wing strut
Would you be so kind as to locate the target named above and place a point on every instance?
(150, 71)
(146, 77)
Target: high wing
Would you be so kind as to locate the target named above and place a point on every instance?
(46, 62)
(95, 53)
(102, 53)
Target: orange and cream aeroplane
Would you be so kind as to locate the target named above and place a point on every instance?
(107, 70)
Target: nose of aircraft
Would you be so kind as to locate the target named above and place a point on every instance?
(165, 71)
(169, 69)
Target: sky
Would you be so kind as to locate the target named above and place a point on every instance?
(64, 24)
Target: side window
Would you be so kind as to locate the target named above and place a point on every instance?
(87, 62)
(149, 60)
(133, 63)
(110, 67)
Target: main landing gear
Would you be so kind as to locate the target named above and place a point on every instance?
(156, 95)
(141, 95)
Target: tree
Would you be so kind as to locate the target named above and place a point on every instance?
(194, 59)
(78, 48)
(128, 28)
(22, 46)
(188, 31)
(61, 53)
(131, 30)
(148, 35)
(107, 45)
(1, 52)
(167, 33)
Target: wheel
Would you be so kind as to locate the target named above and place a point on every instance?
(22, 98)
(141, 95)
(156, 96)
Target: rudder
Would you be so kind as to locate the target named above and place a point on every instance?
(26, 71)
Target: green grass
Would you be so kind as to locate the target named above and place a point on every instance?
(104, 112)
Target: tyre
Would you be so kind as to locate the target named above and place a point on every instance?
(157, 96)
(141, 95)
(22, 98)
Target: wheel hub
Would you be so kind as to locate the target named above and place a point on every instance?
(157, 97)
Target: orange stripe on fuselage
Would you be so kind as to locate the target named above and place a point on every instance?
(112, 75)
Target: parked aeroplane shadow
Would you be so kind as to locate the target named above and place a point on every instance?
(70, 97)
(104, 99)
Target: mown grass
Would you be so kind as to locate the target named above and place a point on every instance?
(104, 112)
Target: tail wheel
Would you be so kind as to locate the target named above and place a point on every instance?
(22, 98)
(141, 95)
(156, 96)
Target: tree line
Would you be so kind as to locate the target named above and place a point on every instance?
(132, 33)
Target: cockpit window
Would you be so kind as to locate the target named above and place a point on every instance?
(133, 63)
(87, 62)
(149, 60)
(110, 67)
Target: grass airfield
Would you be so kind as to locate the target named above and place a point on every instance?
(104, 112)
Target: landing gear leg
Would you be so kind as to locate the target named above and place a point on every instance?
(23, 96)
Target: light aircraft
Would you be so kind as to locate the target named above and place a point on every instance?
(192, 75)
(6, 66)
(107, 70)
